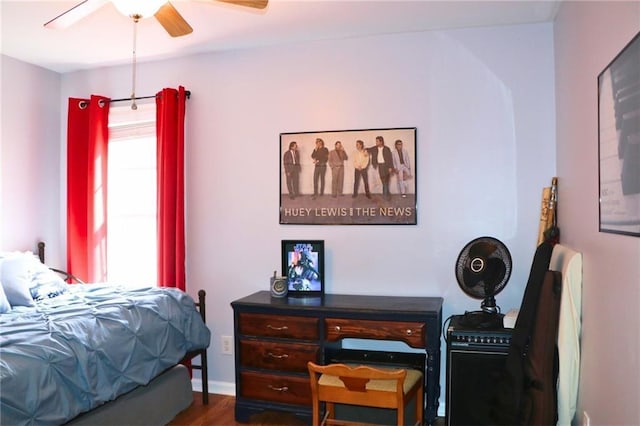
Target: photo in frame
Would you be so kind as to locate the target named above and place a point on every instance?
(303, 267)
(619, 142)
(349, 177)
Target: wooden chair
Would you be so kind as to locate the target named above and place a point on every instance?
(365, 386)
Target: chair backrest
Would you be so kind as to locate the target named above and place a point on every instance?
(363, 385)
(356, 378)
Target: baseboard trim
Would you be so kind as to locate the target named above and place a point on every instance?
(220, 388)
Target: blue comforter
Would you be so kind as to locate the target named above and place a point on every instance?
(76, 351)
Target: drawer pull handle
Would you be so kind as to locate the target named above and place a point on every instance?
(284, 327)
(283, 356)
(337, 328)
(281, 389)
(409, 332)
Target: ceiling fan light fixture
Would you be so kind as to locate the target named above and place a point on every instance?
(138, 8)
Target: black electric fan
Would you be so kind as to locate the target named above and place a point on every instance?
(482, 270)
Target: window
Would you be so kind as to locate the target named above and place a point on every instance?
(131, 196)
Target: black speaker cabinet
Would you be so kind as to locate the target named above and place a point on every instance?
(475, 358)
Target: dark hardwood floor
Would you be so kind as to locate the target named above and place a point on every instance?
(220, 412)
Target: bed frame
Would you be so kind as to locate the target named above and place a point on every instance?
(202, 365)
(165, 382)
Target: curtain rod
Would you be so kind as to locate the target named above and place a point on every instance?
(187, 93)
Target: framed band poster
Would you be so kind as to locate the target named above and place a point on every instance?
(348, 177)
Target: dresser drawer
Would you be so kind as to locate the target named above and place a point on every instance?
(290, 327)
(277, 356)
(412, 333)
(271, 387)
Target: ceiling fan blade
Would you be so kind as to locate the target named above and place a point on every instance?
(76, 13)
(256, 4)
(172, 21)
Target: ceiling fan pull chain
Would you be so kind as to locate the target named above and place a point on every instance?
(133, 77)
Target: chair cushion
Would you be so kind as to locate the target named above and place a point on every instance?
(413, 376)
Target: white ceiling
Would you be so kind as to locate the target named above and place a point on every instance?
(106, 37)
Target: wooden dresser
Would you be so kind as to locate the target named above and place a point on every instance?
(275, 337)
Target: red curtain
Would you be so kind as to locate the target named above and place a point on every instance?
(87, 141)
(170, 117)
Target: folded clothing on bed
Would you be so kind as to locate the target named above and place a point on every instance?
(69, 354)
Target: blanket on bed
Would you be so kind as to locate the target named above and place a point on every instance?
(74, 352)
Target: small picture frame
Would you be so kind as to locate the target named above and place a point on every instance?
(303, 267)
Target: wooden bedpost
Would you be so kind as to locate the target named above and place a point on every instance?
(41, 251)
(204, 371)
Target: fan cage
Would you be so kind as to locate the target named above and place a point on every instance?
(475, 265)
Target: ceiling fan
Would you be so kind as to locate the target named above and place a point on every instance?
(163, 10)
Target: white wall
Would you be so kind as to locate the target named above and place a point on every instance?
(30, 154)
(588, 35)
(482, 102)
(483, 107)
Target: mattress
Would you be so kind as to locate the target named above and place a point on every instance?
(72, 353)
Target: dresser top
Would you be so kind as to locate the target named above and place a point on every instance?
(346, 302)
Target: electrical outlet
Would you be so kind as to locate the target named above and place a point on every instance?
(586, 421)
(227, 345)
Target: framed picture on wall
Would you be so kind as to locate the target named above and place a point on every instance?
(303, 267)
(619, 142)
(348, 177)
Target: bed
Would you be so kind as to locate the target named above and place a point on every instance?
(94, 354)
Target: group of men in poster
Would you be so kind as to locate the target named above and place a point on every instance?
(386, 161)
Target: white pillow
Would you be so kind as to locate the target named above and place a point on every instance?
(45, 283)
(15, 273)
(4, 303)
(6, 254)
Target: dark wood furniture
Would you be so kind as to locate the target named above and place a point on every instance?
(276, 337)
